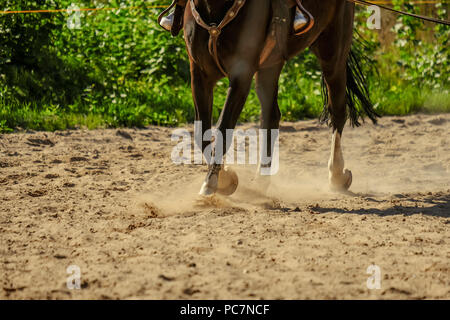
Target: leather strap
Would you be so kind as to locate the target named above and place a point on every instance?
(367, 3)
(215, 30)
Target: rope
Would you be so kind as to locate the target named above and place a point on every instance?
(78, 10)
(418, 16)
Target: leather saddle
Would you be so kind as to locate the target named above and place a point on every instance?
(275, 48)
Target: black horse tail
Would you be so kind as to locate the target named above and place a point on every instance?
(359, 104)
(358, 98)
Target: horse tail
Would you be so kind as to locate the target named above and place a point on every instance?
(358, 100)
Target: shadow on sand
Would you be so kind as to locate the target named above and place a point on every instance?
(439, 207)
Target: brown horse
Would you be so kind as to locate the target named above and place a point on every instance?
(239, 50)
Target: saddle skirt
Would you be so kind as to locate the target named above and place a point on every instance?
(275, 48)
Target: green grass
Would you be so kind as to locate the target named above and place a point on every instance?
(410, 100)
(151, 107)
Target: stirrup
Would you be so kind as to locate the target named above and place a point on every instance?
(300, 20)
(167, 22)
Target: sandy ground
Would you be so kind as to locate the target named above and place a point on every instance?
(120, 210)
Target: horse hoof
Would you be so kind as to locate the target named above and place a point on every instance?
(343, 183)
(206, 190)
(228, 182)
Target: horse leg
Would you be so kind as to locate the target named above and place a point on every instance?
(240, 83)
(203, 94)
(267, 91)
(332, 49)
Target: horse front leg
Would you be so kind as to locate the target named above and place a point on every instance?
(203, 95)
(218, 178)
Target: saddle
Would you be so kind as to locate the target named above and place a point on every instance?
(275, 48)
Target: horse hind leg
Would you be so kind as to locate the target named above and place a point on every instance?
(332, 49)
(339, 177)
